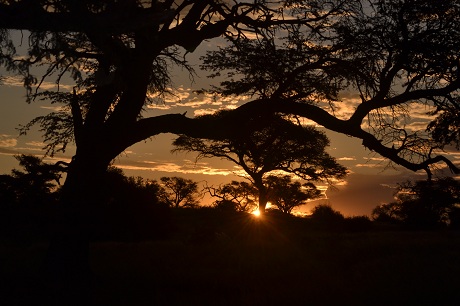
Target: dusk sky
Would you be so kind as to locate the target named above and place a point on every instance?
(369, 183)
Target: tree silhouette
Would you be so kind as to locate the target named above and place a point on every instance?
(34, 184)
(178, 192)
(385, 58)
(324, 216)
(266, 144)
(235, 196)
(423, 204)
(287, 195)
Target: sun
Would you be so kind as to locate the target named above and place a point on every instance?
(256, 213)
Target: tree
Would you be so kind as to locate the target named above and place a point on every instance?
(120, 60)
(235, 196)
(178, 192)
(118, 188)
(266, 144)
(34, 185)
(388, 59)
(287, 195)
(387, 212)
(423, 204)
(325, 216)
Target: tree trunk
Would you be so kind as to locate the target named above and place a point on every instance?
(263, 198)
(67, 267)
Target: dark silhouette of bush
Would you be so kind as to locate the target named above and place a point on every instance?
(28, 198)
(130, 210)
(325, 217)
(357, 224)
(225, 205)
(426, 204)
(454, 217)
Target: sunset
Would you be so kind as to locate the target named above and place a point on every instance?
(145, 140)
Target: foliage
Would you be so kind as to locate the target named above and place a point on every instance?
(178, 192)
(268, 143)
(287, 195)
(33, 185)
(302, 58)
(235, 196)
(117, 187)
(386, 58)
(131, 209)
(423, 204)
(325, 216)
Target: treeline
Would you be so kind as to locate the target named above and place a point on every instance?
(134, 208)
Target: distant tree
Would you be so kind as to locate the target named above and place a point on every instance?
(423, 204)
(35, 183)
(387, 212)
(237, 196)
(287, 195)
(179, 192)
(325, 215)
(117, 187)
(268, 143)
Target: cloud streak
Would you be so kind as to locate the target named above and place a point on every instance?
(6, 141)
(182, 167)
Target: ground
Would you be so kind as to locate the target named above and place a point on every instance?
(242, 260)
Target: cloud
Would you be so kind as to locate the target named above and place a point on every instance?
(6, 141)
(369, 165)
(346, 158)
(183, 167)
(16, 81)
(204, 111)
(53, 108)
(36, 144)
(202, 103)
(13, 81)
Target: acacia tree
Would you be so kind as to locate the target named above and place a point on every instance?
(178, 192)
(240, 196)
(119, 59)
(287, 195)
(269, 143)
(398, 57)
(426, 203)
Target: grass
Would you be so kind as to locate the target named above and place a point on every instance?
(210, 260)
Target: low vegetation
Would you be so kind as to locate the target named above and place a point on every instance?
(146, 251)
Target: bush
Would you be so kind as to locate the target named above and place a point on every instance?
(325, 217)
(358, 223)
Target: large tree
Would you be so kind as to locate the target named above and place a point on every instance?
(365, 75)
(119, 55)
(265, 144)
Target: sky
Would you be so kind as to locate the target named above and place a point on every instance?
(370, 181)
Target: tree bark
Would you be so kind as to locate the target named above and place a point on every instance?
(67, 269)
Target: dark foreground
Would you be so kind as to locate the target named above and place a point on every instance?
(244, 261)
